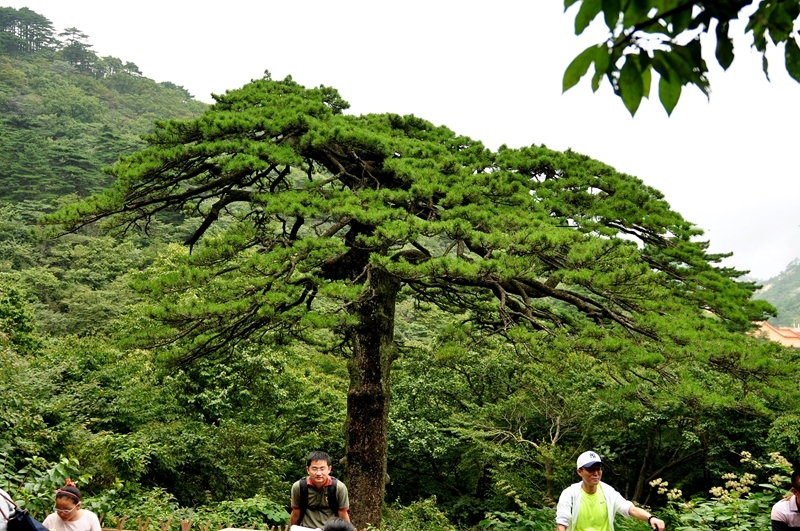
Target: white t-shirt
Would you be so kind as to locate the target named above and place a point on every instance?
(5, 510)
(87, 522)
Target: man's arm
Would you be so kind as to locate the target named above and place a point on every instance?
(294, 518)
(343, 497)
(641, 514)
(564, 510)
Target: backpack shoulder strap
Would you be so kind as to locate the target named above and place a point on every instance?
(8, 499)
(11, 505)
(303, 500)
(333, 500)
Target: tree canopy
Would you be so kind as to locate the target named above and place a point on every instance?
(664, 36)
(314, 224)
(24, 31)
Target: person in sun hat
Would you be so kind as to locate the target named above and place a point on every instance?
(590, 504)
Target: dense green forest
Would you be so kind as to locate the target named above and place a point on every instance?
(638, 351)
(67, 113)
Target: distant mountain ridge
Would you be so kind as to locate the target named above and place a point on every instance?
(66, 113)
(783, 292)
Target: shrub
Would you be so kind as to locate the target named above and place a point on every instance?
(422, 515)
(732, 506)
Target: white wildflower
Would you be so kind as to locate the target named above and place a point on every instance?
(777, 480)
(746, 456)
(718, 492)
(778, 459)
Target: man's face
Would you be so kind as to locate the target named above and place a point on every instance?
(591, 475)
(319, 471)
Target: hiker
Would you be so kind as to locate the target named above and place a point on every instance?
(590, 505)
(786, 513)
(68, 515)
(318, 497)
(6, 509)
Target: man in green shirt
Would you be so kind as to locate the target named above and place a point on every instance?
(319, 496)
(591, 505)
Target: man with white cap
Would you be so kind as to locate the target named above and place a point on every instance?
(590, 505)
(786, 513)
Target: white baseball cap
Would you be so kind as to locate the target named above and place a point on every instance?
(587, 459)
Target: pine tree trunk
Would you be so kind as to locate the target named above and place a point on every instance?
(368, 399)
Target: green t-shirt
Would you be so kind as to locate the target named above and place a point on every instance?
(319, 497)
(593, 512)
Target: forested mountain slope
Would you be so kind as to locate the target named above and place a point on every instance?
(65, 112)
(783, 292)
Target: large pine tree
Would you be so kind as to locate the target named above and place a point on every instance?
(337, 216)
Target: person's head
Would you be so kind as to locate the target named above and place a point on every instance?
(318, 466)
(590, 468)
(796, 483)
(318, 456)
(68, 501)
(337, 524)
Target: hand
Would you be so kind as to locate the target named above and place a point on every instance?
(657, 524)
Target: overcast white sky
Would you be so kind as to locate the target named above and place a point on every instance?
(491, 70)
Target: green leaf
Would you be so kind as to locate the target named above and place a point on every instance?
(568, 4)
(793, 59)
(695, 50)
(759, 37)
(589, 9)
(578, 67)
(680, 21)
(665, 5)
(635, 12)
(631, 86)
(724, 45)
(669, 92)
(688, 63)
(611, 10)
(781, 22)
(661, 65)
(602, 60)
(765, 65)
(647, 78)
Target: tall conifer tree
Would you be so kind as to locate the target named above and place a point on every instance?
(337, 216)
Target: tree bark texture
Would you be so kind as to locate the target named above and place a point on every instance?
(368, 398)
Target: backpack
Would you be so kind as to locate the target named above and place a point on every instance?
(333, 501)
(20, 520)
